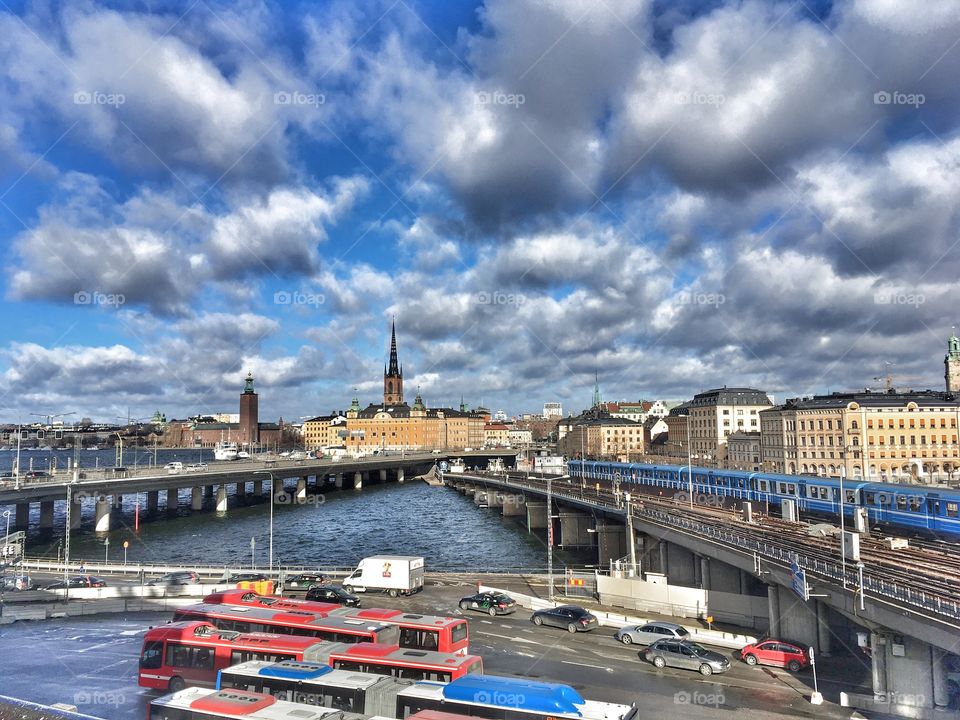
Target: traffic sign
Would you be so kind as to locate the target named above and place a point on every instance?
(798, 580)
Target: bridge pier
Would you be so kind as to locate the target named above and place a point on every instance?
(258, 488)
(173, 501)
(46, 515)
(76, 514)
(103, 514)
(663, 555)
(536, 516)
(301, 495)
(573, 529)
(21, 520)
(357, 480)
(153, 501)
(338, 481)
(400, 477)
(383, 476)
(222, 498)
(611, 542)
(773, 610)
(513, 505)
(196, 498)
(241, 490)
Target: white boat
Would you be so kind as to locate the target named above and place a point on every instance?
(225, 451)
(94, 448)
(457, 466)
(243, 455)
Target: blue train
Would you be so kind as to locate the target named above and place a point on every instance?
(913, 508)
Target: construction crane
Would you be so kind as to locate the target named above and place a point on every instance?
(887, 379)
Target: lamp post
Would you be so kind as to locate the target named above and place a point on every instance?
(6, 538)
(267, 472)
(843, 537)
(860, 578)
(689, 461)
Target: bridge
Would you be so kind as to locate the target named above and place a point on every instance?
(900, 611)
(106, 488)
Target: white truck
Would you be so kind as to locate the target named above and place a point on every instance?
(393, 574)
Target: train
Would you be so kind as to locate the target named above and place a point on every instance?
(925, 511)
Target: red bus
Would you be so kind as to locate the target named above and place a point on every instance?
(200, 704)
(247, 618)
(191, 653)
(404, 662)
(419, 632)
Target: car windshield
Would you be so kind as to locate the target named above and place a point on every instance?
(681, 631)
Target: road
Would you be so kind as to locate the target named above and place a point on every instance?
(92, 663)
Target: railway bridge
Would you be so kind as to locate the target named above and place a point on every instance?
(899, 610)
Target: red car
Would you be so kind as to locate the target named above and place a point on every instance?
(779, 653)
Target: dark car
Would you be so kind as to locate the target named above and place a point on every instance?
(571, 617)
(687, 655)
(332, 594)
(79, 581)
(180, 577)
(304, 581)
(247, 577)
(15, 583)
(36, 475)
(491, 603)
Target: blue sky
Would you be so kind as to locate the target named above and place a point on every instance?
(675, 195)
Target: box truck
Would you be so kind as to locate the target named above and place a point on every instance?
(393, 574)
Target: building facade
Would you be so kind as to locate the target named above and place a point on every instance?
(496, 434)
(324, 431)
(951, 364)
(595, 434)
(881, 435)
(743, 451)
(552, 411)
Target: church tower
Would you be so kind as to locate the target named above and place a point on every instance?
(393, 373)
(951, 364)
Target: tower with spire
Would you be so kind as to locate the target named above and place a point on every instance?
(951, 363)
(393, 373)
(596, 390)
(249, 414)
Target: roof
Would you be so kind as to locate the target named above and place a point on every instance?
(741, 435)
(731, 396)
(837, 400)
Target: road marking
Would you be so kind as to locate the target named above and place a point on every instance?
(507, 637)
(596, 667)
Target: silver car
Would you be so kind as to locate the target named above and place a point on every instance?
(651, 632)
(687, 655)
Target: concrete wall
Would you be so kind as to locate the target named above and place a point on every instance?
(680, 566)
(637, 594)
(798, 619)
(744, 610)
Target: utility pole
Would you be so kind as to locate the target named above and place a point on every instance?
(630, 537)
(550, 535)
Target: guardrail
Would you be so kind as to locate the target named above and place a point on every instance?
(879, 588)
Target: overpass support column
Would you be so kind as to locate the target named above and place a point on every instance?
(357, 480)
(153, 500)
(222, 498)
(76, 512)
(383, 476)
(196, 498)
(704, 572)
(938, 669)
(301, 496)
(513, 506)
(773, 609)
(664, 556)
(258, 488)
(103, 514)
(536, 516)
(400, 476)
(573, 529)
(338, 481)
(611, 542)
(173, 502)
(22, 519)
(744, 583)
(823, 628)
(46, 515)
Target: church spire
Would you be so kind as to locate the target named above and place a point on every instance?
(393, 375)
(394, 368)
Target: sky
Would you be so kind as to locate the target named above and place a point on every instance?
(671, 194)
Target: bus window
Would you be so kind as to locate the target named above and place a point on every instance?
(420, 639)
(178, 655)
(152, 657)
(458, 632)
(203, 658)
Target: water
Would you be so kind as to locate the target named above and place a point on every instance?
(335, 529)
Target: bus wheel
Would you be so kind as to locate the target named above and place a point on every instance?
(176, 683)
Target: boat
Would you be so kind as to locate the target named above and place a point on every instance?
(457, 466)
(225, 451)
(94, 448)
(243, 455)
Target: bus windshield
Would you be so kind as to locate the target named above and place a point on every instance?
(152, 656)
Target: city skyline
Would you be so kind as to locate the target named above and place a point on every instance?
(676, 198)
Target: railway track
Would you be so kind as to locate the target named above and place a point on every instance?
(933, 565)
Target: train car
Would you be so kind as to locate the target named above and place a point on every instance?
(899, 507)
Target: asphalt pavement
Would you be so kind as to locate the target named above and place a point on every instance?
(91, 662)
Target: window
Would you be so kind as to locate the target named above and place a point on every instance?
(901, 502)
(152, 657)
(458, 632)
(953, 509)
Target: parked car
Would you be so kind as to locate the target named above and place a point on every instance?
(332, 594)
(180, 577)
(571, 617)
(196, 467)
(173, 468)
(779, 653)
(687, 655)
(36, 475)
(246, 577)
(79, 581)
(304, 581)
(16, 583)
(489, 602)
(651, 632)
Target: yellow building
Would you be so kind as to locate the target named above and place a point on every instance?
(596, 434)
(324, 431)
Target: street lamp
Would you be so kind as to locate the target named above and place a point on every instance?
(267, 472)
(6, 538)
(689, 461)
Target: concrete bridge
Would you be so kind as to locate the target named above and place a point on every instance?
(910, 636)
(107, 489)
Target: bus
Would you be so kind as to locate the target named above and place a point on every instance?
(313, 683)
(246, 618)
(419, 632)
(183, 653)
(204, 704)
(404, 662)
(500, 698)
